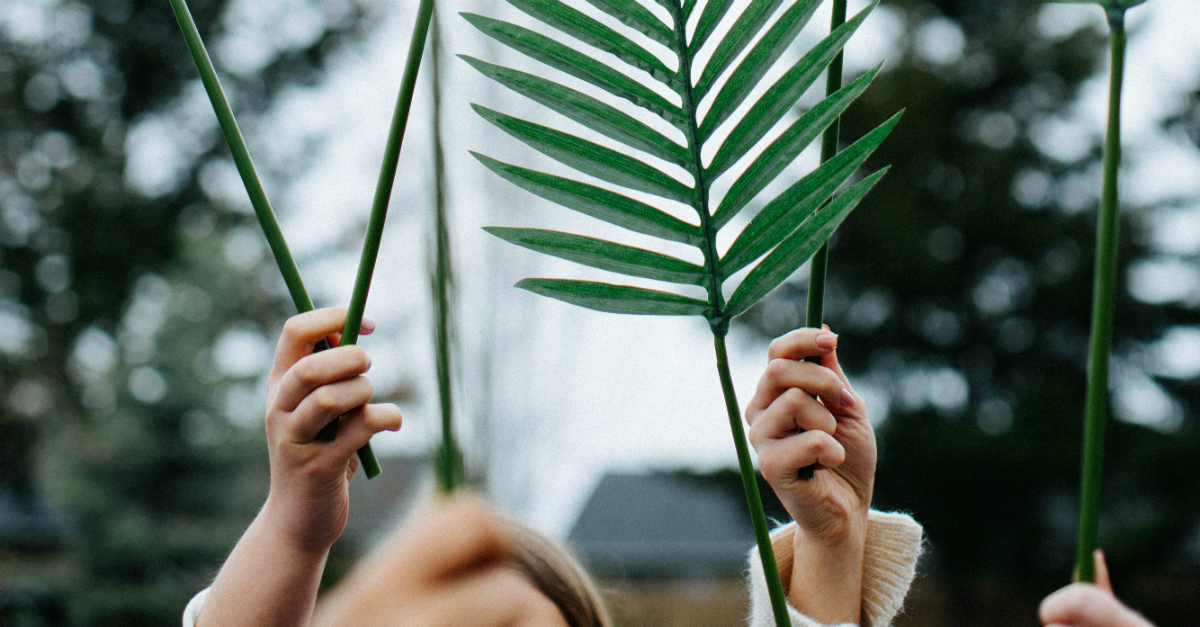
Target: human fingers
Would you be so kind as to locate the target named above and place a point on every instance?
(779, 460)
(1085, 605)
(783, 374)
(303, 331)
(792, 412)
(358, 425)
(314, 371)
(1100, 566)
(802, 343)
(324, 405)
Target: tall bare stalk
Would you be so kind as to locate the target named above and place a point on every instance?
(449, 457)
(1103, 299)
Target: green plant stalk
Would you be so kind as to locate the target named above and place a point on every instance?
(449, 459)
(1103, 293)
(829, 148)
(719, 323)
(241, 157)
(383, 194)
(758, 516)
(819, 264)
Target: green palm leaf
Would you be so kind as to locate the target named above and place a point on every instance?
(616, 298)
(603, 254)
(581, 66)
(597, 35)
(798, 247)
(756, 64)
(637, 17)
(589, 157)
(598, 202)
(784, 234)
(590, 112)
(788, 209)
(764, 42)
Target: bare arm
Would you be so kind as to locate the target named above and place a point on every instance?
(271, 577)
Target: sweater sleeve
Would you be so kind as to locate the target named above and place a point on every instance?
(889, 566)
(192, 611)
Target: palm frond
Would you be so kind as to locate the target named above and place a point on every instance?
(789, 227)
(784, 234)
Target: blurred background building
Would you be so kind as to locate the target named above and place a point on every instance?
(138, 306)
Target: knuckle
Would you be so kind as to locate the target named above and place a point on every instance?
(778, 369)
(305, 372)
(324, 400)
(293, 328)
(793, 401)
(362, 361)
(772, 468)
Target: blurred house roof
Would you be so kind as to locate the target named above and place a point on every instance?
(668, 525)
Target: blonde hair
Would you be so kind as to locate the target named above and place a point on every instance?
(557, 575)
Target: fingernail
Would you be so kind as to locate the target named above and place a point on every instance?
(827, 340)
(367, 325)
(847, 398)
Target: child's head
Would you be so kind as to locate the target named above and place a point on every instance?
(556, 574)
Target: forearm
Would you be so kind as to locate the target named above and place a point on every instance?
(268, 581)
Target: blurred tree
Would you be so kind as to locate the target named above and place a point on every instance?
(961, 290)
(132, 303)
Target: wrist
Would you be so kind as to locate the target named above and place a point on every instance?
(826, 574)
(290, 537)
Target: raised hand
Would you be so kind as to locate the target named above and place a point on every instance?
(806, 414)
(310, 478)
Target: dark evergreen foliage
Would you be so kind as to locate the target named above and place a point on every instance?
(952, 273)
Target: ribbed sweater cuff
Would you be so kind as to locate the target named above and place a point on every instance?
(893, 546)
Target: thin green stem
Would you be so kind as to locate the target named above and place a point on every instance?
(383, 194)
(829, 148)
(241, 157)
(720, 326)
(758, 516)
(449, 459)
(817, 268)
(1103, 293)
(718, 322)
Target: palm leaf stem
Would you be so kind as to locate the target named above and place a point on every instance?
(720, 327)
(819, 264)
(245, 165)
(1103, 297)
(829, 145)
(699, 200)
(449, 460)
(758, 516)
(383, 194)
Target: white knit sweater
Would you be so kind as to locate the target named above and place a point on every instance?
(889, 565)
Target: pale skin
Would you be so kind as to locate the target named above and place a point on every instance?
(271, 577)
(1089, 605)
(804, 414)
(447, 568)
